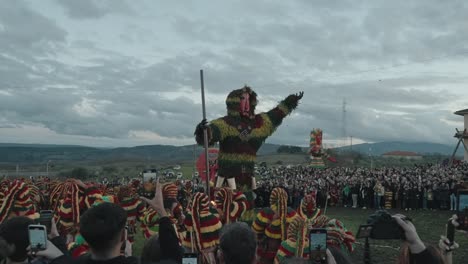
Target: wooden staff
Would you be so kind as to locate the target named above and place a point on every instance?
(205, 136)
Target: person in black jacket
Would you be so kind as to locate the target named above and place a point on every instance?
(14, 244)
(103, 228)
(165, 247)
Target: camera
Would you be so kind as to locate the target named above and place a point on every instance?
(384, 226)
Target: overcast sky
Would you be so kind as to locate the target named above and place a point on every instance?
(126, 72)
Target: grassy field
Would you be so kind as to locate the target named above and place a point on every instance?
(430, 225)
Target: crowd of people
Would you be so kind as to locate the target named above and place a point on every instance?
(420, 187)
(96, 223)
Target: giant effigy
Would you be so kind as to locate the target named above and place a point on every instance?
(241, 133)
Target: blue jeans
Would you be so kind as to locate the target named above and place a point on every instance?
(453, 202)
(377, 199)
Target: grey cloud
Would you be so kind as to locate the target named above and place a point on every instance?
(89, 9)
(26, 32)
(278, 50)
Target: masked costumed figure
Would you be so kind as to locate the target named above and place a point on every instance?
(69, 200)
(317, 152)
(271, 225)
(241, 133)
(308, 208)
(230, 205)
(16, 200)
(296, 243)
(128, 199)
(203, 228)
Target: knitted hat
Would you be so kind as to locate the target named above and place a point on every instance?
(202, 225)
(278, 202)
(169, 191)
(223, 200)
(297, 234)
(17, 200)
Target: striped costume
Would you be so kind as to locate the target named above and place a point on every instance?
(271, 225)
(69, 201)
(203, 226)
(240, 137)
(231, 205)
(297, 242)
(16, 200)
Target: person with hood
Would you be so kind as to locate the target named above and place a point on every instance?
(241, 133)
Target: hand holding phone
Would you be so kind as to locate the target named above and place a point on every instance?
(37, 237)
(318, 245)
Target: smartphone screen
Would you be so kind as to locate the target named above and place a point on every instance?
(318, 245)
(37, 237)
(190, 258)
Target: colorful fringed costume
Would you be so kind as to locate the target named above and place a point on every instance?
(297, 242)
(271, 225)
(308, 208)
(17, 200)
(69, 201)
(203, 226)
(240, 134)
(317, 152)
(133, 206)
(337, 234)
(231, 205)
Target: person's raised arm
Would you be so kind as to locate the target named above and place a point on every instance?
(169, 241)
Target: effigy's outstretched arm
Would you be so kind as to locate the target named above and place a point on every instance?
(276, 115)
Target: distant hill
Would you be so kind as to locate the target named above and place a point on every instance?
(37, 153)
(380, 148)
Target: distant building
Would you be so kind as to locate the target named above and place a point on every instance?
(402, 154)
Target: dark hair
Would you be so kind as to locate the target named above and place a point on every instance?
(168, 202)
(102, 226)
(238, 243)
(151, 252)
(15, 232)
